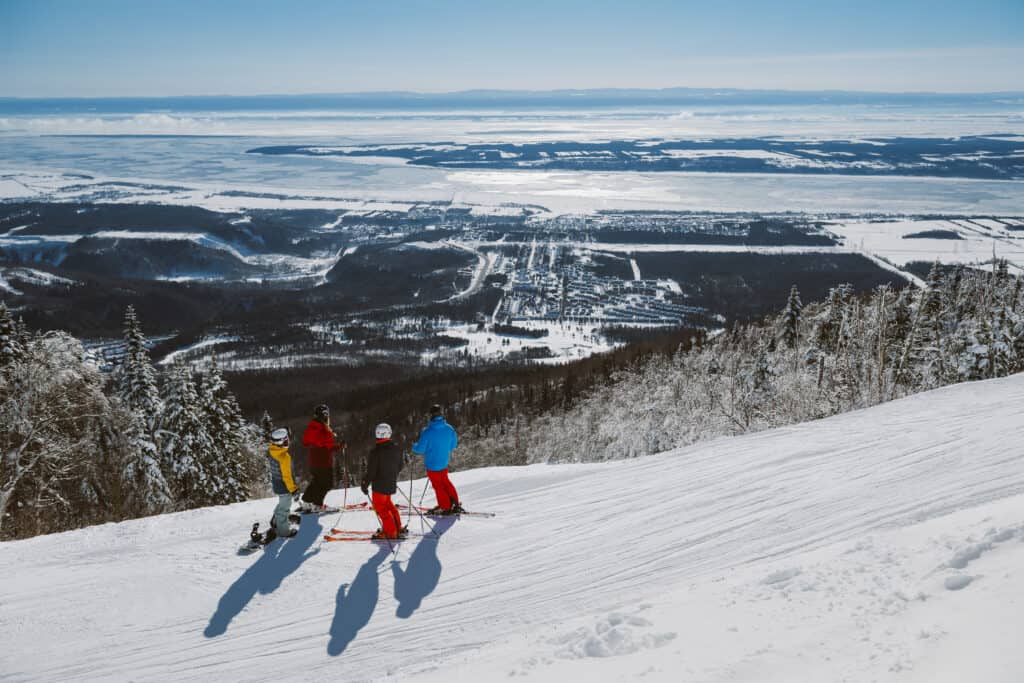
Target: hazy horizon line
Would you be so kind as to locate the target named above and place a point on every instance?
(617, 90)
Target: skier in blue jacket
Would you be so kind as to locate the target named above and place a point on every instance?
(436, 443)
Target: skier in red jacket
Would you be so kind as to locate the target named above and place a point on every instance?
(322, 444)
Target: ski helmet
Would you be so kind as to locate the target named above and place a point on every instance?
(383, 431)
(435, 410)
(279, 437)
(321, 412)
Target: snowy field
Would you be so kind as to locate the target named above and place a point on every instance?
(880, 545)
(566, 341)
(973, 240)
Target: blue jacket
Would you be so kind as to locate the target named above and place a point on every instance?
(436, 444)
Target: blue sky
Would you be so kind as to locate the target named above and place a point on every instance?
(53, 48)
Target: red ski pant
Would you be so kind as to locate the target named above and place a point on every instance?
(390, 520)
(444, 489)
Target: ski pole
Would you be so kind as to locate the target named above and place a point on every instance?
(344, 503)
(423, 518)
(422, 495)
(410, 479)
(344, 494)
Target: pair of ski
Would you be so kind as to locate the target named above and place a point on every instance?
(426, 511)
(328, 510)
(350, 535)
(402, 508)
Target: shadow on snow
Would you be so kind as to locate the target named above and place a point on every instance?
(278, 560)
(357, 601)
(421, 574)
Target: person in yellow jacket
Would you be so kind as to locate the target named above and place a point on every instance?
(283, 483)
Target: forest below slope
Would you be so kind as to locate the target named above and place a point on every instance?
(82, 447)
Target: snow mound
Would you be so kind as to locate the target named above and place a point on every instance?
(614, 635)
(781, 577)
(958, 582)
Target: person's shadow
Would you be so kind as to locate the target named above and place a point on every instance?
(278, 560)
(421, 574)
(355, 603)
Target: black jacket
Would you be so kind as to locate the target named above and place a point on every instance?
(383, 465)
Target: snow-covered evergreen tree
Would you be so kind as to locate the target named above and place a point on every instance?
(830, 325)
(266, 425)
(791, 319)
(136, 377)
(24, 336)
(186, 443)
(144, 487)
(145, 480)
(11, 349)
(225, 461)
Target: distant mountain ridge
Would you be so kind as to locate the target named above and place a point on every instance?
(486, 98)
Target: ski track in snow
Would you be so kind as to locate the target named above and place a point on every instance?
(883, 544)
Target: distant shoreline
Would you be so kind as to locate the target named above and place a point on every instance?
(489, 99)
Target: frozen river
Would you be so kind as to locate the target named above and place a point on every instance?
(207, 150)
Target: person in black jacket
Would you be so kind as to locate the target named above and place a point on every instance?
(382, 468)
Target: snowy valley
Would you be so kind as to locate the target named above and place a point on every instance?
(881, 544)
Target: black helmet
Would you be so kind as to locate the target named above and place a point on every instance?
(435, 410)
(321, 412)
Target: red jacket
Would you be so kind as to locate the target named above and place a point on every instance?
(319, 439)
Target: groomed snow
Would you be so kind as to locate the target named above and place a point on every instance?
(880, 545)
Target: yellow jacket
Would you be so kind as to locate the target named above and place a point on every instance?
(281, 470)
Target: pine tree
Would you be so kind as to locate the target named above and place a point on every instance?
(136, 378)
(146, 491)
(186, 442)
(266, 425)
(23, 335)
(791, 319)
(144, 479)
(225, 461)
(11, 349)
(830, 328)
(926, 352)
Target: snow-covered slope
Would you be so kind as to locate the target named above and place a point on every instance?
(886, 544)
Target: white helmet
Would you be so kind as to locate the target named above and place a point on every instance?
(279, 437)
(383, 431)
